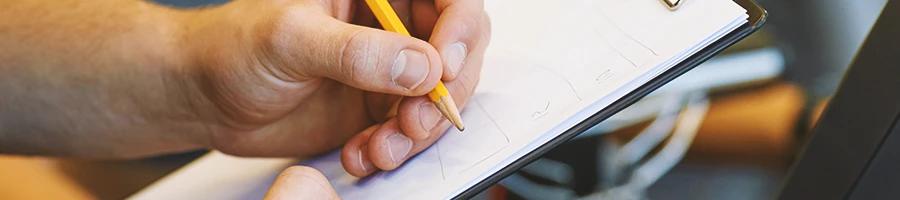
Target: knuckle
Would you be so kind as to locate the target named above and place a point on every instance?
(275, 40)
(274, 34)
(356, 55)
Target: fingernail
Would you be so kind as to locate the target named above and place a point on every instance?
(398, 146)
(410, 69)
(364, 161)
(455, 57)
(428, 115)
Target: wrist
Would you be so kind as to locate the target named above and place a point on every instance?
(209, 40)
(187, 80)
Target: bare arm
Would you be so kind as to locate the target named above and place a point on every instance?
(98, 78)
(128, 78)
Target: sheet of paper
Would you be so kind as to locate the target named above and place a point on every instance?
(550, 65)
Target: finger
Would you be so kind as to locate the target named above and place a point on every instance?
(301, 182)
(310, 45)
(424, 16)
(419, 117)
(355, 154)
(461, 34)
(389, 147)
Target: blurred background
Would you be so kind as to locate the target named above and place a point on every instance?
(758, 98)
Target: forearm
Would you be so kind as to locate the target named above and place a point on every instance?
(98, 78)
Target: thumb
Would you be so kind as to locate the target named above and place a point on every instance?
(301, 182)
(362, 57)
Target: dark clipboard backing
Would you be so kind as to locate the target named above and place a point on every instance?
(756, 18)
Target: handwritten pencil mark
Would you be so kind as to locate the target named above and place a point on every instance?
(572, 87)
(482, 160)
(441, 159)
(604, 76)
(613, 48)
(614, 25)
(630, 39)
(437, 148)
(541, 113)
(492, 120)
(612, 37)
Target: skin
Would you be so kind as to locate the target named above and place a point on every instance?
(301, 182)
(113, 79)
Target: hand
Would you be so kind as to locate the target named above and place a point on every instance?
(294, 78)
(301, 182)
(126, 79)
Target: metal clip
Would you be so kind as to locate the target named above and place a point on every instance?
(673, 4)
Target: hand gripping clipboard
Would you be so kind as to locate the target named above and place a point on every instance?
(757, 18)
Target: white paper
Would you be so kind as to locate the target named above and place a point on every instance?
(550, 65)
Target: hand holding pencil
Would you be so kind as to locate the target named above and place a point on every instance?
(252, 78)
(300, 78)
(459, 31)
(440, 96)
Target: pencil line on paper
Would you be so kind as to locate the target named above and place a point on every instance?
(492, 120)
(605, 41)
(613, 24)
(572, 87)
(482, 160)
(611, 46)
(437, 147)
(541, 113)
(603, 76)
(614, 48)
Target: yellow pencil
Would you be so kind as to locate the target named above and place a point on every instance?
(440, 96)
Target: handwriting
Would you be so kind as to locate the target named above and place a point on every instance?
(603, 76)
(572, 87)
(541, 113)
(437, 147)
(613, 24)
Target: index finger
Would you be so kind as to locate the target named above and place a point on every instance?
(461, 35)
(462, 23)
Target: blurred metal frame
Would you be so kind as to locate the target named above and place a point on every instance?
(678, 122)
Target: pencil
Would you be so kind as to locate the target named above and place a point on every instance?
(440, 96)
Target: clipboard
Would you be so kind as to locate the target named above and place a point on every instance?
(757, 18)
(260, 172)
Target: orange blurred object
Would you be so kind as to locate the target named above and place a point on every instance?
(755, 125)
(36, 178)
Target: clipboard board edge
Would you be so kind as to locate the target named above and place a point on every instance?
(757, 18)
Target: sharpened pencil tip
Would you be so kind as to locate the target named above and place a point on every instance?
(449, 110)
